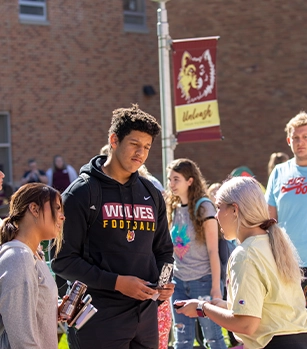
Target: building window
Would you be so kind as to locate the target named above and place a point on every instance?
(5, 146)
(134, 16)
(33, 10)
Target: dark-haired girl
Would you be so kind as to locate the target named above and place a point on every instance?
(28, 292)
(194, 231)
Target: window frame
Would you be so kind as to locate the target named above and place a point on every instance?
(140, 28)
(32, 17)
(7, 144)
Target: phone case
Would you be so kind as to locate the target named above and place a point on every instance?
(88, 312)
(84, 304)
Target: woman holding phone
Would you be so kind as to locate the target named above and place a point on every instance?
(265, 305)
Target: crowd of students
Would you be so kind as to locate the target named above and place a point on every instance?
(121, 229)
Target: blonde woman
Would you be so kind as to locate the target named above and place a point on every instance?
(265, 305)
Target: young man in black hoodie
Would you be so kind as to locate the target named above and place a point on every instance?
(127, 245)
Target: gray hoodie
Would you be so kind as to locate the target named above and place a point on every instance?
(28, 300)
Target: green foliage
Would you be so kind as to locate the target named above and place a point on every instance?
(63, 344)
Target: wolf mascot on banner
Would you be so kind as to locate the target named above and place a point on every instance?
(197, 76)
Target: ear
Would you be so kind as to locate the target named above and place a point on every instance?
(288, 141)
(34, 209)
(190, 181)
(185, 58)
(113, 140)
(235, 209)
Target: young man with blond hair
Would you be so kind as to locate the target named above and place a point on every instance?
(286, 192)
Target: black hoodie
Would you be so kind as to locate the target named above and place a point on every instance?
(129, 237)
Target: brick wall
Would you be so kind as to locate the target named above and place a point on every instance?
(261, 73)
(60, 82)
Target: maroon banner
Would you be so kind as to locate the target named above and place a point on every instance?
(194, 73)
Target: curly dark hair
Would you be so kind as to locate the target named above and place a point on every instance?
(198, 189)
(125, 120)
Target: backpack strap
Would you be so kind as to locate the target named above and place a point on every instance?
(153, 191)
(95, 194)
(199, 202)
(94, 207)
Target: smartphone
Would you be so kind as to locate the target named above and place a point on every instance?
(155, 286)
(70, 307)
(177, 306)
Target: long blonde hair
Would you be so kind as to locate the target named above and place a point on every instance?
(253, 212)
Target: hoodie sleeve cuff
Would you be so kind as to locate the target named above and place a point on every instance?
(109, 281)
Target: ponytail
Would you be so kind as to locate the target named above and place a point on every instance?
(8, 230)
(285, 254)
(37, 193)
(253, 212)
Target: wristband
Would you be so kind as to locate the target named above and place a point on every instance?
(200, 310)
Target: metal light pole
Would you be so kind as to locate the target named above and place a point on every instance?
(168, 139)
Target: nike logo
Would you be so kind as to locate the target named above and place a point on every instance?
(146, 198)
(93, 208)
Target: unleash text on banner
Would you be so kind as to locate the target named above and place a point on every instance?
(196, 107)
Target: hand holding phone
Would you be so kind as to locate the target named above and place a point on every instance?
(71, 304)
(155, 286)
(176, 305)
(152, 285)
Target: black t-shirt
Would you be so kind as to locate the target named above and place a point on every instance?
(34, 178)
